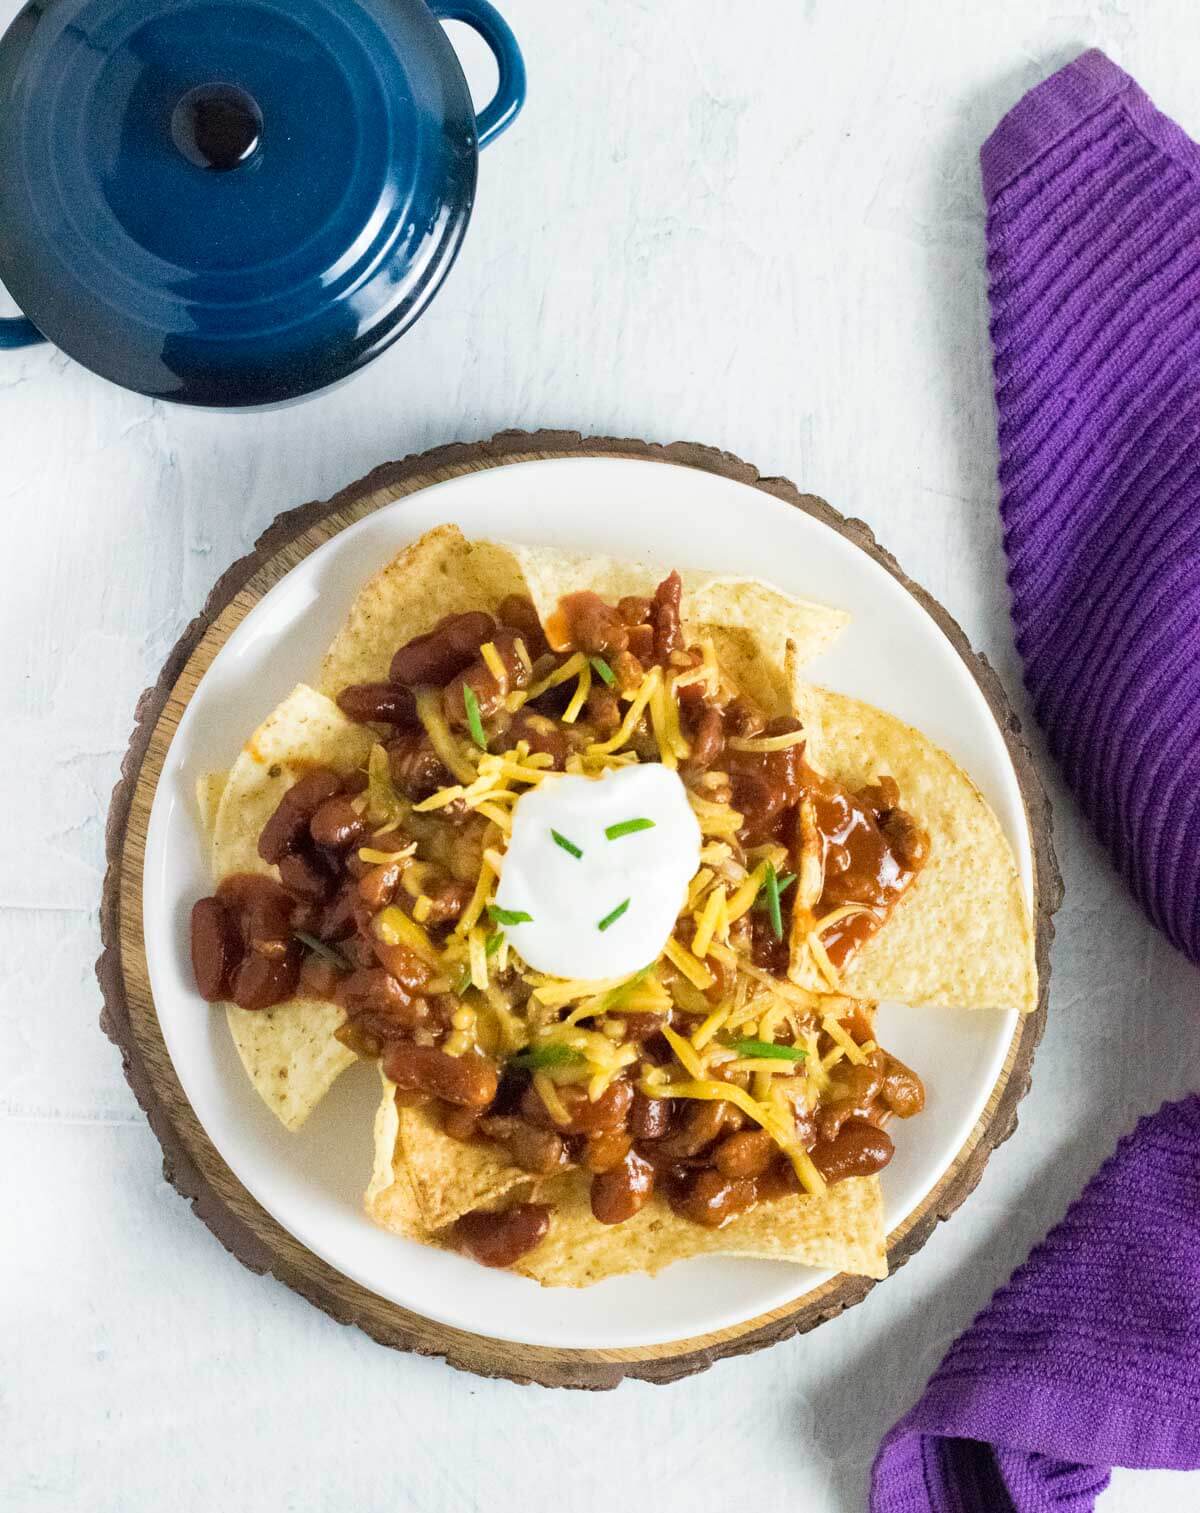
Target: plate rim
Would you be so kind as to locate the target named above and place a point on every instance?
(192, 1163)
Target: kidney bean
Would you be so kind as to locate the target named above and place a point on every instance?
(305, 877)
(778, 1181)
(649, 1118)
(501, 1239)
(373, 989)
(489, 691)
(470, 1080)
(377, 886)
(258, 982)
(411, 971)
(859, 1150)
(604, 1151)
(746, 1154)
(707, 739)
(338, 916)
(263, 909)
(338, 824)
(620, 1191)
(318, 978)
(857, 1088)
(635, 609)
(608, 1112)
(640, 1027)
(449, 647)
(447, 898)
(667, 637)
(903, 1091)
(518, 612)
(712, 1199)
(378, 703)
(460, 1123)
(743, 718)
(539, 1151)
(216, 948)
(543, 735)
(286, 828)
(416, 768)
(701, 1124)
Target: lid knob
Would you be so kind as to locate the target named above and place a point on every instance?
(217, 126)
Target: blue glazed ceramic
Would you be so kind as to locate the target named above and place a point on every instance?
(236, 202)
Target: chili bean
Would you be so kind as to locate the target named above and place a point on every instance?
(450, 646)
(411, 971)
(903, 1091)
(603, 710)
(707, 739)
(338, 824)
(304, 876)
(416, 769)
(470, 1080)
(635, 609)
(447, 899)
(258, 982)
(747, 1154)
(620, 1191)
(539, 1151)
(606, 1150)
(216, 948)
(778, 1181)
(765, 783)
(378, 703)
(856, 1090)
(595, 626)
(460, 1123)
(501, 1239)
(859, 1150)
(489, 691)
(318, 978)
(908, 841)
(649, 1118)
(666, 617)
(639, 1027)
(628, 671)
(881, 796)
(286, 828)
(518, 612)
(641, 644)
(702, 1123)
(585, 1117)
(542, 734)
(377, 886)
(263, 909)
(373, 989)
(712, 1199)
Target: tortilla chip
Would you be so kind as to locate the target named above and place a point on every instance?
(750, 621)
(450, 1177)
(961, 936)
(843, 1231)
(442, 573)
(288, 1051)
(390, 1199)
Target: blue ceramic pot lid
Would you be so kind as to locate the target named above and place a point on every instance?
(235, 202)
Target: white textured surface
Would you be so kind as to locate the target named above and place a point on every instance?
(765, 237)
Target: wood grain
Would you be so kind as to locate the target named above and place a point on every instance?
(190, 1161)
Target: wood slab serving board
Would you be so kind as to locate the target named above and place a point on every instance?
(190, 1161)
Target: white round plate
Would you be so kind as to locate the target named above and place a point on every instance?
(312, 1182)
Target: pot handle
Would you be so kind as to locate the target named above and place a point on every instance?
(505, 105)
(16, 331)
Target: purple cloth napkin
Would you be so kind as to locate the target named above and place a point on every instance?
(1090, 1357)
(1094, 264)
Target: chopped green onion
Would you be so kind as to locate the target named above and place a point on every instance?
(767, 1050)
(771, 884)
(493, 943)
(611, 919)
(509, 916)
(568, 846)
(326, 953)
(627, 827)
(539, 1056)
(784, 883)
(603, 671)
(474, 723)
(618, 994)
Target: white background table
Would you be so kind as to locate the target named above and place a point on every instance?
(757, 226)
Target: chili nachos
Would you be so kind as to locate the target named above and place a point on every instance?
(609, 894)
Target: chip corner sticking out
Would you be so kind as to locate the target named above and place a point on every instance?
(961, 936)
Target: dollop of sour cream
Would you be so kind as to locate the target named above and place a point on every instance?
(609, 910)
